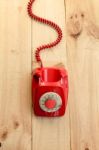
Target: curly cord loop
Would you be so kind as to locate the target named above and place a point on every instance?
(50, 23)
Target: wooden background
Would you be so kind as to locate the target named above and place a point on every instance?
(78, 51)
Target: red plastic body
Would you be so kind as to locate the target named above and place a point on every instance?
(51, 80)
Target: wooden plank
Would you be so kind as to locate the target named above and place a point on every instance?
(15, 76)
(82, 18)
(50, 133)
(43, 34)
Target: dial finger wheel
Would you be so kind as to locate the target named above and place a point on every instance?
(50, 102)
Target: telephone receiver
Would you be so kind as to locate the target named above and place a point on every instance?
(49, 91)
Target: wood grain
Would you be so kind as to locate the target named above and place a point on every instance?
(78, 52)
(43, 34)
(83, 63)
(15, 75)
(50, 134)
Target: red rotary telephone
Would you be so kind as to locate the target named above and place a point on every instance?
(49, 85)
(50, 91)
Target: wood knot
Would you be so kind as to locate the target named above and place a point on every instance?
(82, 15)
(16, 124)
(87, 148)
(0, 144)
(75, 24)
(4, 135)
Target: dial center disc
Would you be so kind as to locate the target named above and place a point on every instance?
(50, 103)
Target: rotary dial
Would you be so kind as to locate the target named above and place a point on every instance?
(50, 102)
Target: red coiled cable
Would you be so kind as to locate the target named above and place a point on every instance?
(50, 23)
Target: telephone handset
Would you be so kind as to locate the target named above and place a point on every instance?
(49, 85)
